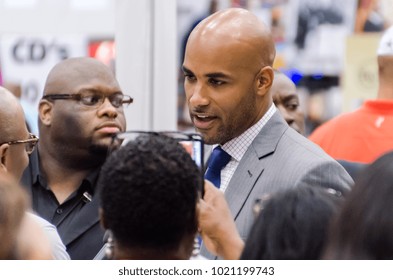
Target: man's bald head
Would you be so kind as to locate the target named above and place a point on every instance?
(228, 73)
(11, 116)
(237, 26)
(76, 72)
(13, 158)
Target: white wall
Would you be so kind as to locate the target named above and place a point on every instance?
(145, 32)
(146, 61)
(93, 17)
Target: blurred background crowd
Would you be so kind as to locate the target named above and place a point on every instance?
(326, 47)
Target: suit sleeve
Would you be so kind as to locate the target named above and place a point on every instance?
(327, 174)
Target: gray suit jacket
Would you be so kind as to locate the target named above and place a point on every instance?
(279, 158)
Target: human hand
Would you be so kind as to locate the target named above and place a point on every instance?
(216, 224)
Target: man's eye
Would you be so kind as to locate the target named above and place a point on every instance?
(216, 82)
(189, 77)
(292, 106)
(91, 99)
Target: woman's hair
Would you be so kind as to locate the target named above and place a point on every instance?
(364, 226)
(293, 224)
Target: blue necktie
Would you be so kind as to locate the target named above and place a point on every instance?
(218, 159)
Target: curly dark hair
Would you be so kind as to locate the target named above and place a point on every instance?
(149, 191)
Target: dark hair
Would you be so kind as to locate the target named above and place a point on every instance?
(149, 192)
(364, 226)
(292, 225)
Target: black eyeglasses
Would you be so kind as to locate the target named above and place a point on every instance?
(93, 99)
(30, 143)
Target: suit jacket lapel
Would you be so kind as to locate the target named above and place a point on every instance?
(252, 164)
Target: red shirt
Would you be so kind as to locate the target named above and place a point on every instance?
(361, 136)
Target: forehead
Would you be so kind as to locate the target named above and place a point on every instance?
(282, 85)
(75, 77)
(206, 54)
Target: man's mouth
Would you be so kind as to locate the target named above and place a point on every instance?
(108, 128)
(203, 121)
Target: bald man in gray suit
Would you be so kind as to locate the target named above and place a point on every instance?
(228, 73)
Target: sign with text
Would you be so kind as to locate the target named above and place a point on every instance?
(27, 59)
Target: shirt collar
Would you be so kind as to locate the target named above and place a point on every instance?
(238, 146)
(88, 182)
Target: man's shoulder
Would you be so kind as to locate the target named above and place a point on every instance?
(293, 144)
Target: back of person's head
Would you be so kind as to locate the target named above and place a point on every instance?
(13, 204)
(149, 191)
(364, 226)
(293, 224)
(14, 158)
(385, 62)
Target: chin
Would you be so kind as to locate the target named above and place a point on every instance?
(99, 149)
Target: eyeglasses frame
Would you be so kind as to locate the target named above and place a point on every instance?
(78, 97)
(32, 139)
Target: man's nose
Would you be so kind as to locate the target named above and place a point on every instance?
(198, 96)
(108, 109)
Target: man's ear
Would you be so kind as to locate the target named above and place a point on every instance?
(265, 80)
(45, 111)
(4, 150)
(102, 220)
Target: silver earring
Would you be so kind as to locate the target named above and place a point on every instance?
(109, 246)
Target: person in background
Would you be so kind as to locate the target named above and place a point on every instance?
(293, 224)
(13, 206)
(82, 107)
(16, 143)
(287, 101)
(22, 237)
(363, 228)
(231, 106)
(365, 134)
(149, 191)
(289, 224)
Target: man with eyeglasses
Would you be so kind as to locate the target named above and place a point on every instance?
(16, 143)
(81, 108)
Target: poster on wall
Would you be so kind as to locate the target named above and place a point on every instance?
(27, 59)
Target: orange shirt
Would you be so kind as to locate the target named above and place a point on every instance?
(361, 136)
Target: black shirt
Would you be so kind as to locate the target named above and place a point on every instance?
(76, 218)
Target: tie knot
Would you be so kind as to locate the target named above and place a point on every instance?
(218, 159)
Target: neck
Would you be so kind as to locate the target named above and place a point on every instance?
(61, 178)
(385, 92)
(182, 252)
(148, 254)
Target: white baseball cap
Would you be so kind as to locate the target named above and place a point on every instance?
(386, 43)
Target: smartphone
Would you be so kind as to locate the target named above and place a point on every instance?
(194, 146)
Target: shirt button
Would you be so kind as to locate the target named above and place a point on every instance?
(59, 211)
